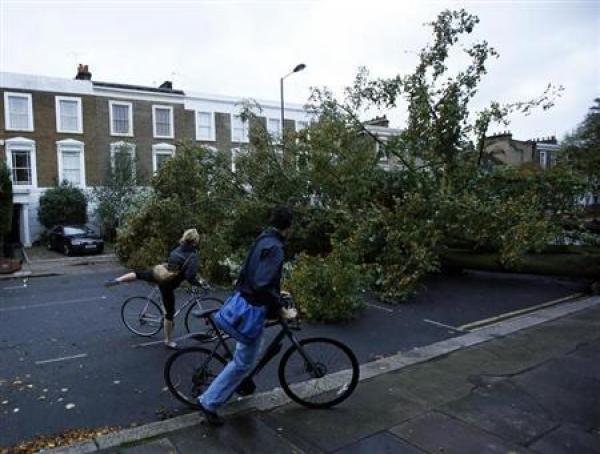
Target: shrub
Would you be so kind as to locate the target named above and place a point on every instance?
(326, 289)
(119, 195)
(6, 204)
(63, 204)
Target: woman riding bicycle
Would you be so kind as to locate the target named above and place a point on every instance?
(182, 265)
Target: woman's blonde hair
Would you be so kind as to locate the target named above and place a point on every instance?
(190, 236)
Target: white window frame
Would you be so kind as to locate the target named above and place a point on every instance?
(306, 122)
(275, 134)
(22, 143)
(161, 149)
(171, 135)
(61, 146)
(245, 129)
(213, 135)
(112, 103)
(383, 160)
(114, 148)
(57, 100)
(235, 152)
(7, 123)
(543, 159)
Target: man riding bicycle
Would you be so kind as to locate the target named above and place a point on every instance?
(257, 294)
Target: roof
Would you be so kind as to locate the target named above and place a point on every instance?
(137, 87)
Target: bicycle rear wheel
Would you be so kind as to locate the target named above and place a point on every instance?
(188, 372)
(195, 324)
(331, 381)
(142, 316)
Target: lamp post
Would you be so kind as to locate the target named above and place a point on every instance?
(298, 68)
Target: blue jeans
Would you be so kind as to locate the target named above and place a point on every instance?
(225, 384)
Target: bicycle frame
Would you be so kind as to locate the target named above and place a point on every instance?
(270, 352)
(193, 298)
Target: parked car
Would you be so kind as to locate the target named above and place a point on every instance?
(73, 239)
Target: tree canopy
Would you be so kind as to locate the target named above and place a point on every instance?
(582, 148)
(360, 225)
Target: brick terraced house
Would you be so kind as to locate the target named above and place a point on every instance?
(54, 130)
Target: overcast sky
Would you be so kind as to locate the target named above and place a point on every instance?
(242, 48)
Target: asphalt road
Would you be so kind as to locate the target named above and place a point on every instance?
(66, 360)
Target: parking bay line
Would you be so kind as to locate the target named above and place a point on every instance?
(498, 318)
(376, 306)
(56, 303)
(64, 358)
(16, 287)
(156, 342)
(443, 325)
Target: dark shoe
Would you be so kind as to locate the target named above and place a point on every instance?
(111, 282)
(212, 418)
(246, 387)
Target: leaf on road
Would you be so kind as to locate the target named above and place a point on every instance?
(65, 438)
(70, 406)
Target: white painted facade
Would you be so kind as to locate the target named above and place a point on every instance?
(69, 90)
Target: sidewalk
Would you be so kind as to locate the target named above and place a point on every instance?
(49, 263)
(529, 385)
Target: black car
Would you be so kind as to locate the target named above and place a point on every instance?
(71, 239)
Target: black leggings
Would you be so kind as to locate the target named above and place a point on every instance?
(167, 291)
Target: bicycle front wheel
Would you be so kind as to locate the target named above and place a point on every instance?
(194, 324)
(321, 374)
(142, 316)
(188, 372)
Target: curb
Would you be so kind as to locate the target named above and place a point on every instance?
(28, 274)
(76, 260)
(276, 397)
(47, 264)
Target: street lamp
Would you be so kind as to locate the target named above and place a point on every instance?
(298, 68)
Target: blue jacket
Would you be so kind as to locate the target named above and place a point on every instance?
(184, 255)
(260, 279)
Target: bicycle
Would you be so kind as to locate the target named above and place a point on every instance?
(143, 316)
(306, 371)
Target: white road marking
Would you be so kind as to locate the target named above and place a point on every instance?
(443, 325)
(147, 344)
(15, 287)
(497, 318)
(64, 358)
(162, 341)
(376, 306)
(55, 303)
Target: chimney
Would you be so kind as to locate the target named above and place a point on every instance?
(83, 73)
(378, 121)
(503, 134)
(167, 85)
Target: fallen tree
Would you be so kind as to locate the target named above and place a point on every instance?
(574, 262)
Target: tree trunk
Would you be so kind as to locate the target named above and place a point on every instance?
(572, 261)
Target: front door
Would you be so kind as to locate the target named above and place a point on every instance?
(15, 233)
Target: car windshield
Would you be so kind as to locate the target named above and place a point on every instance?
(72, 231)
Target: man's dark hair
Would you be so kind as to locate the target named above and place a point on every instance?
(281, 217)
